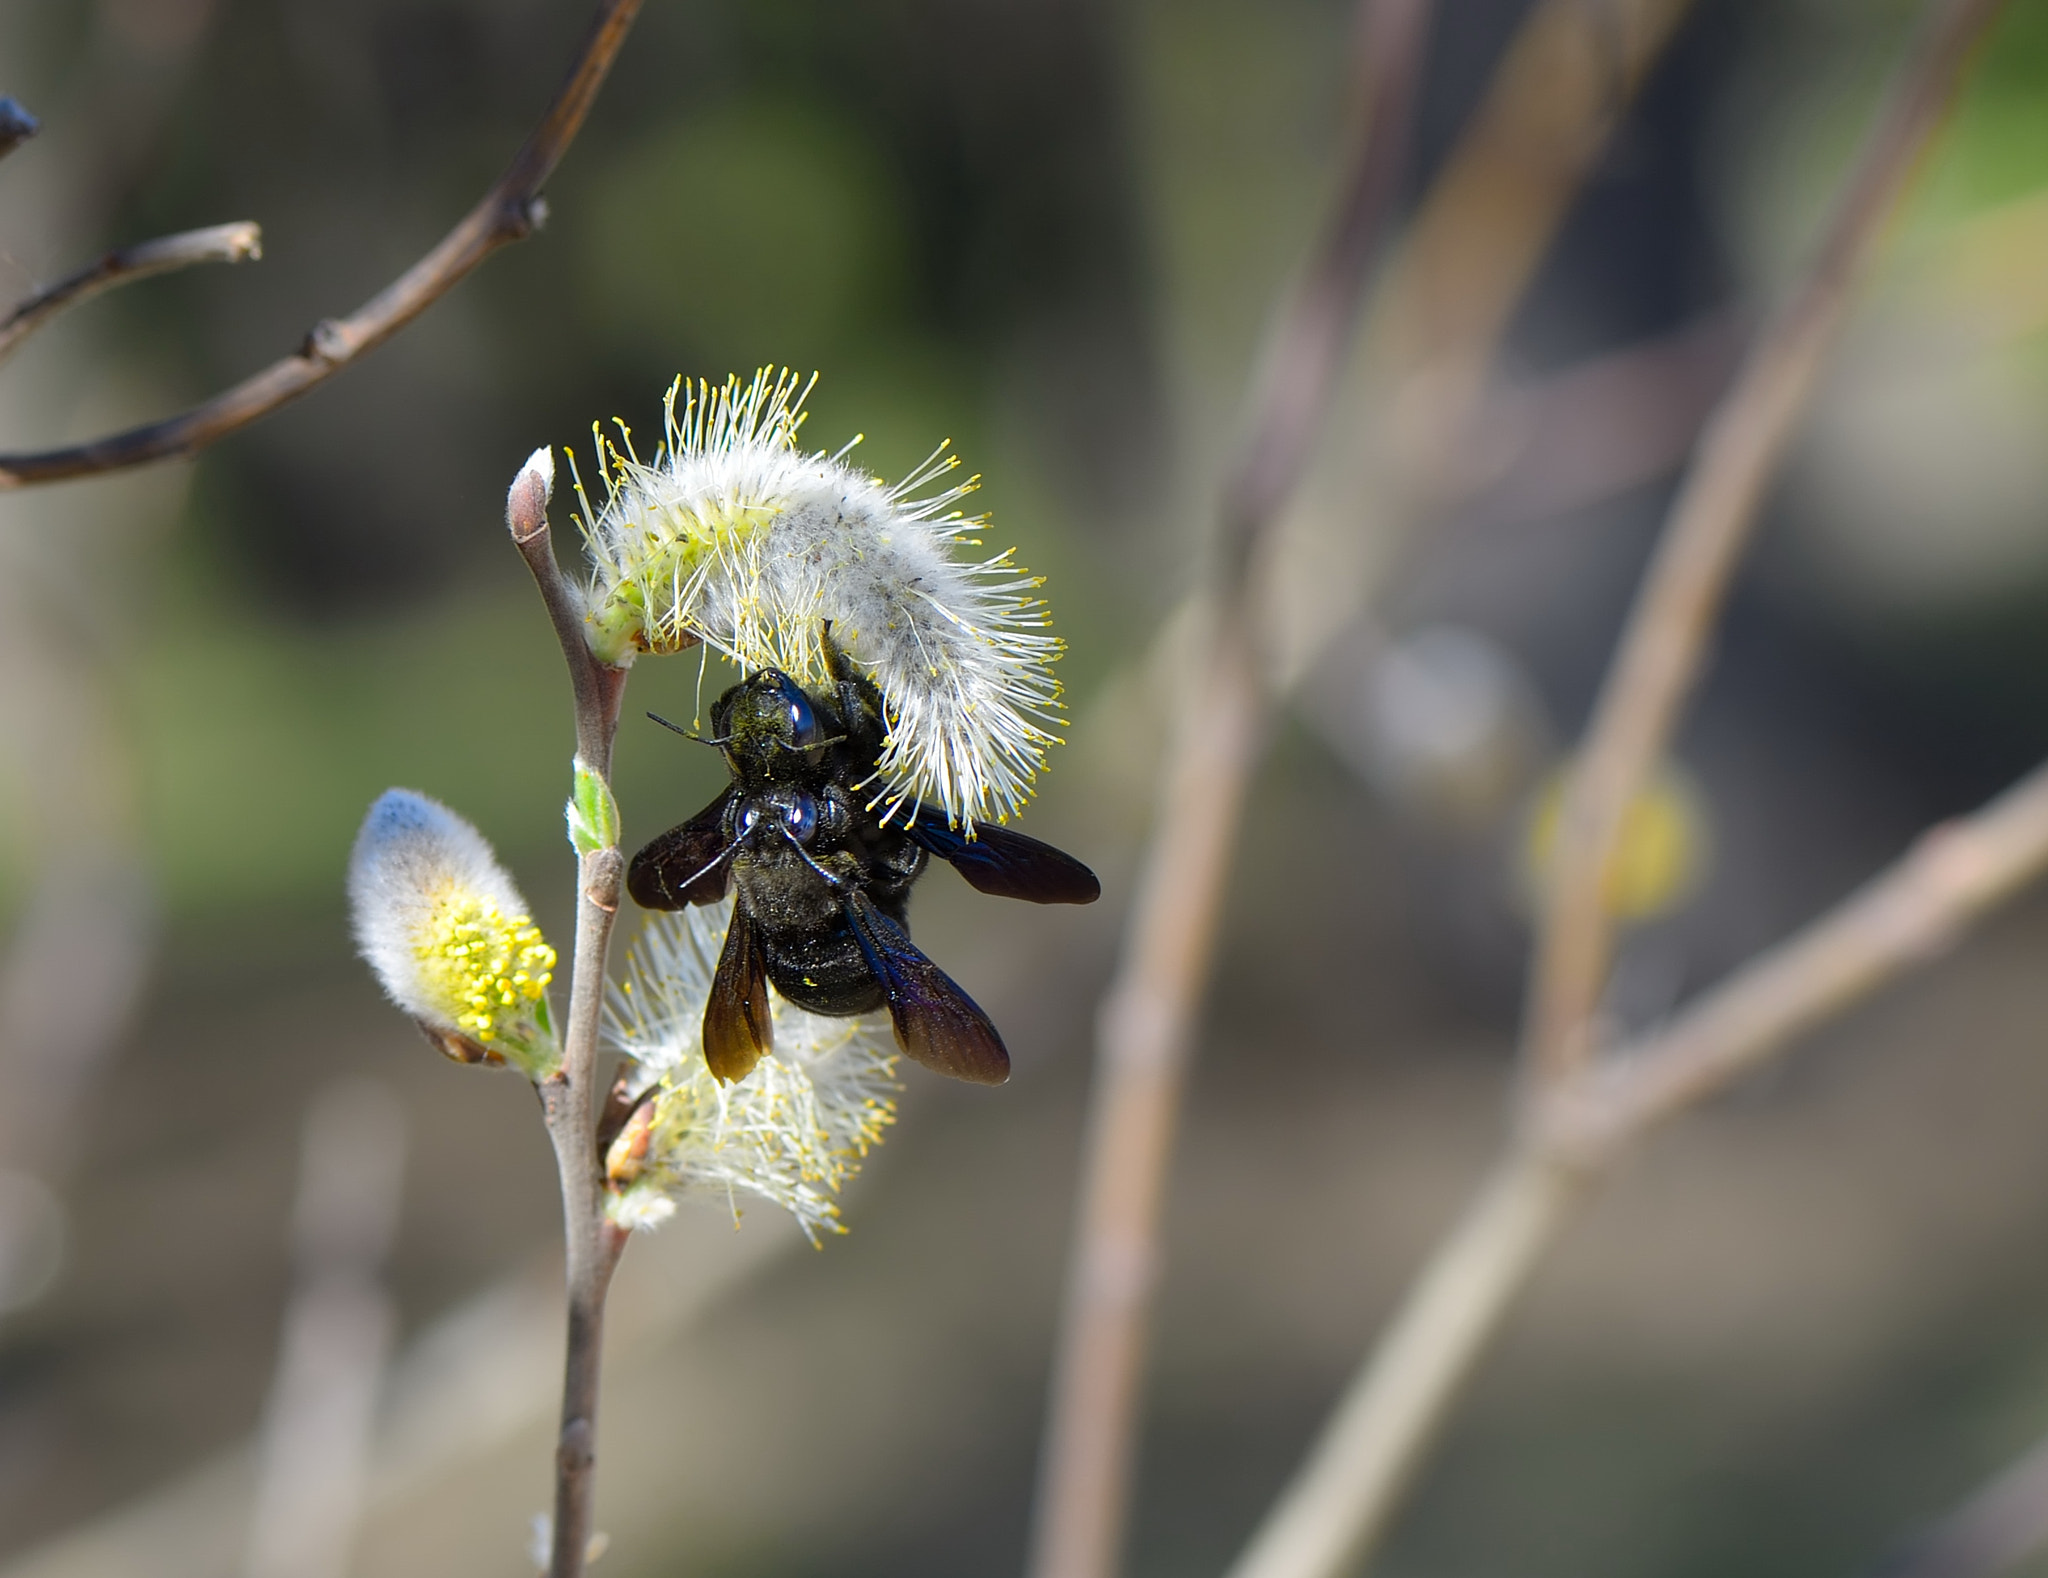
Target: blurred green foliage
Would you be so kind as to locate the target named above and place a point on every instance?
(762, 229)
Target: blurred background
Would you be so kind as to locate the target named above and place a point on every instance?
(1809, 1319)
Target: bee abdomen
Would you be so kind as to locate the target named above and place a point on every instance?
(824, 972)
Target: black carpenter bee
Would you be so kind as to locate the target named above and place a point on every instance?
(822, 881)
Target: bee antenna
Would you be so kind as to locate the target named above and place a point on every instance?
(685, 733)
(832, 881)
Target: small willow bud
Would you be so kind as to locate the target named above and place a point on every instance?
(449, 937)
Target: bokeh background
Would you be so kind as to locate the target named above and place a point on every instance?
(1809, 1319)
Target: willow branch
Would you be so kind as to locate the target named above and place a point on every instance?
(1339, 1503)
(16, 125)
(1340, 1500)
(239, 242)
(1910, 914)
(511, 210)
(569, 1097)
(1662, 648)
(1314, 327)
(1581, 1118)
(1148, 1015)
(597, 687)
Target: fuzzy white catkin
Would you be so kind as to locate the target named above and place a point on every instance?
(736, 537)
(411, 851)
(793, 1131)
(445, 930)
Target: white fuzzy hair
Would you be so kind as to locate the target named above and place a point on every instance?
(793, 1131)
(411, 853)
(735, 537)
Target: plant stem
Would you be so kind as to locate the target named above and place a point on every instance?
(1717, 505)
(1580, 1113)
(1338, 1503)
(1145, 1030)
(1907, 915)
(1337, 1506)
(239, 242)
(510, 211)
(592, 1249)
(1148, 1016)
(569, 1097)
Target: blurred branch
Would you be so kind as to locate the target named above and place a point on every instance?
(1313, 331)
(510, 211)
(1999, 1527)
(16, 125)
(1717, 505)
(1448, 292)
(319, 1423)
(239, 242)
(1148, 1013)
(1566, 80)
(1581, 1117)
(471, 1388)
(1340, 1500)
(1910, 914)
(1571, 439)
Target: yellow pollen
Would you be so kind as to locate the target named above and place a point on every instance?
(481, 962)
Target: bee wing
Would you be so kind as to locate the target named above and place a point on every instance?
(1010, 865)
(689, 864)
(737, 1025)
(936, 1023)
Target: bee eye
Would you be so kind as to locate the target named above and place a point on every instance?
(800, 816)
(803, 718)
(749, 815)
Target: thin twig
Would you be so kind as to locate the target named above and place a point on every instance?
(1907, 917)
(2000, 1526)
(1663, 646)
(1911, 913)
(569, 1097)
(1482, 230)
(1581, 1118)
(320, 1419)
(16, 125)
(597, 687)
(1338, 1504)
(239, 242)
(1314, 328)
(511, 210)
(1148, 1014)
(1144, 1032)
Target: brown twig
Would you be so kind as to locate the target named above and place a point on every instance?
(1482, 229)
(508, 212)
(1911, 913)
(1907, 917)
(1313, 331)
(1717, 505)
(1148, 1015)
(569, 1097)
(239, 242)
(1340, 1500)
(16, 125)
(1581, 1117)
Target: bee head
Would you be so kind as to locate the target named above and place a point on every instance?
(765, 718)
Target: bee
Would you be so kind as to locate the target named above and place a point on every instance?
(821, 881)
